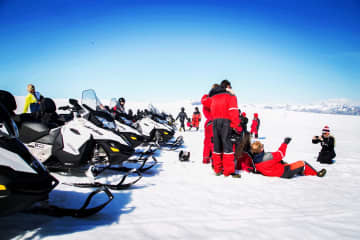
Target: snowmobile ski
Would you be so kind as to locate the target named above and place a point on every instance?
(82, 212)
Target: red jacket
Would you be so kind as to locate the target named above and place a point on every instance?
(224, 106)
(206, 102)
(269, 164)
(254, 125)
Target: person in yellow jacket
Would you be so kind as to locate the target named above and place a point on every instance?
(32, 100)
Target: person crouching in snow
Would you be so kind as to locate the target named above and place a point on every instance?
(255, 125)
(327, 142)
(224, 110)
(196, 118)
(242, 157)
(271, 164)
(208, 126)
(182, 116)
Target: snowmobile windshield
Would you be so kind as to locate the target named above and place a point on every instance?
(90, 100)
(8, 127)
(153, 109)
(113, 103)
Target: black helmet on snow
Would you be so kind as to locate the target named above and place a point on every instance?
(184, 156)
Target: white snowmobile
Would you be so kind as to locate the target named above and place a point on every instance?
(24, 181)
(78, 147)
(154, 126)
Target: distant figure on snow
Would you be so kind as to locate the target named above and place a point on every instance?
(271, 164)
(255, 125)
(327, 142)
(244, 121)
(182, 116)
(196, 119)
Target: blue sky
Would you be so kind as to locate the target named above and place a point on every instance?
(272, 51)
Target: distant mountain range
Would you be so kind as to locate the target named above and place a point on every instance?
(333, 106)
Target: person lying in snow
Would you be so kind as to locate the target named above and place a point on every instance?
(327, 142)
(271, 164)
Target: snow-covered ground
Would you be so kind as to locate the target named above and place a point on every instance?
(185, 200)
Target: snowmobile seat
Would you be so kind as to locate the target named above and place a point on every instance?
(48, 114)
(31, 131)
(8, 100)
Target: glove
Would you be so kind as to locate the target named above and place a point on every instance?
(287, 140)
(238, 129)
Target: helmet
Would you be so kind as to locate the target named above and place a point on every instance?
(184, 156)
(182, 109)
(121, 99)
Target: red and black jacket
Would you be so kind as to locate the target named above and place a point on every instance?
(224, 106)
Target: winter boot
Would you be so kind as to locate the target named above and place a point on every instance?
(321, 173)
(236, 175)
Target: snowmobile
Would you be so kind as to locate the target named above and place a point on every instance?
(77, 148)
(105, 120)
(24, 181)
(152, 131)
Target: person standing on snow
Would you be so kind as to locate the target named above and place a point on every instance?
(225, 113)
(255, 125)
(271, 164)
(327, 142)
(208, 127)
(32, 100)
(244, 121)
(196, 118)
(182, 116)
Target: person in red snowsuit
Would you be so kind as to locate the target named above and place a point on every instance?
(208, 127)
(271, 164)
(255, 125)
(225, 113)
(196, 118)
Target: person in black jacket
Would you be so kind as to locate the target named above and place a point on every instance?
(327, 142)
(182, 116)
(244, 121)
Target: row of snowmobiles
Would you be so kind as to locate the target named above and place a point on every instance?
(87, 140)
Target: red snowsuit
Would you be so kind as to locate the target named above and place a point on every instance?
(254, 126)
(269, 164)
(225, 113)
(208, 126)
(196, 118)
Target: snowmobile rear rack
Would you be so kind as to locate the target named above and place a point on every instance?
(82, 212)
(119, 186)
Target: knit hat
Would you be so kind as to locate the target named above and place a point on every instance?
(256, 115)
(326, 129)
(243, 114)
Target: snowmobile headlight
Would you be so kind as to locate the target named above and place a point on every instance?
(133, 138)
(114, 149)
(2, 187)
(166, 133)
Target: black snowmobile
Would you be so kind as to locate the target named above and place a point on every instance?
(24, 181)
